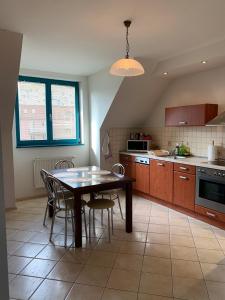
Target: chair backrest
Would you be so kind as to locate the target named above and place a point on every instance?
(118, 169)
(55, 190)
(64, 164)
(44, 174)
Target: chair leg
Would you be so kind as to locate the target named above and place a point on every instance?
(89, 224)
(72, 221)
(85, 222)
(46, 210)
(118, 197)
(102, 217)
(109, 224)
(52, 225)
(94, 221)
(66, 219)
(112, 219)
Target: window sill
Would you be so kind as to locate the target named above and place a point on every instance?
(48, 146)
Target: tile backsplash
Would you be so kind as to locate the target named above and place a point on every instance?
(197, 138)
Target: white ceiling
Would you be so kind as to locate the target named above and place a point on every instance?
(82, 37)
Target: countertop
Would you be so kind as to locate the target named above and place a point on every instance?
(193, 160)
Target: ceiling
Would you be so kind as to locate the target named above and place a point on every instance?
(83, 37)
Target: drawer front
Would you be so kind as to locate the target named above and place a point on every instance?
(185, 168)
(161, 163)
(210, 213)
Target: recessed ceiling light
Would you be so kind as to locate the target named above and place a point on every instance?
(203, 61)
(165, 73)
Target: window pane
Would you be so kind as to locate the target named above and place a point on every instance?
(63, 112)
(32, 111)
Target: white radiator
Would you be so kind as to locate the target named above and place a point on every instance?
(48, 164)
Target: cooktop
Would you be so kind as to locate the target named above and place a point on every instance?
(219, 162)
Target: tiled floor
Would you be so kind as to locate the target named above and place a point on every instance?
(168, 256)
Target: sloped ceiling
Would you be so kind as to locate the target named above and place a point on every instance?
(135, 98)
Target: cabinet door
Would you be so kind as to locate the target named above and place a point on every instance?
(161, 180)
(142, 178)
(184, 190)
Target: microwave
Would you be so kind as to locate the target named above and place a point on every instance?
(138, 145)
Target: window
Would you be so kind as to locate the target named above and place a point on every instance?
(47, 112)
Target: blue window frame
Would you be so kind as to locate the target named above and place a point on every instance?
(47, 112)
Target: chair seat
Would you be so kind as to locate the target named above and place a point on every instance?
(100, 204)
(70, 203)
(110, 192)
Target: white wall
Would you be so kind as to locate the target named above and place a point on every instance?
(10, 51)
(201, 87)
(23, 157)
(102, 91)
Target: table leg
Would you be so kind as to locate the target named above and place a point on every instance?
(77, 220)
(128, 190)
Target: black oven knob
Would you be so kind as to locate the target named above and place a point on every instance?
(219, 174)
(223, 174)
(215, 173)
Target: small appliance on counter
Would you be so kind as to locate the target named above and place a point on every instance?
(138, 145)
(159, 152)
(212, 152)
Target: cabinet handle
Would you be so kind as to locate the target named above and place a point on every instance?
(183, 168)
(210, 214)
(183, 177)
(183, 122)
(160, 164)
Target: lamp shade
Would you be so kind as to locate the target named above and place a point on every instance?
(127, 67)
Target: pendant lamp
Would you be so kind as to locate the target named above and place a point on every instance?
(127, 66)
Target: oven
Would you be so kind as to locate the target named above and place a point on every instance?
(210, 189)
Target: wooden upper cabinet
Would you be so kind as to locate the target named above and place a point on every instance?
(191, 115)
(161, 180)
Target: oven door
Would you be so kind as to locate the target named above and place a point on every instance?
(210, 192)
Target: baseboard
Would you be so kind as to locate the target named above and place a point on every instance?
(31, 197)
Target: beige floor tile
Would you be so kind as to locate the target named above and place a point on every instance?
(140, 218)
(157, 250)
(124, 280)
(179, 240)
(74, 255)
(136, 236)
(202, 232)
(211, 256)
(12, 246)
(222, 243)
(159, 220)
(219, 233)
(93, 275)
(40, 238)
(111, 294)
(22, 287)
(52, 253)
(65, 271)
(158, 238)
(38, 268)
(158, 228)
(156, 284)
(101, 258)
(104, 245)
(187, 269)
(157, 265)
(216, 290)
(206, 243)
(152, 297)
(17, 263)
(180, 230)
(137, 226)
(85, 292)
(29, 250)
(132, 248)
(11, 276)
(213, 272)
(186, 253)
(10, 233)
(178, 221)
(129, 262)
(190, 289)
(52, 289)
(22, 236)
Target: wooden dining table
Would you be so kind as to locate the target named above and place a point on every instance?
(91, 180)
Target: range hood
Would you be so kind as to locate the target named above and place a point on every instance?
(217, 121)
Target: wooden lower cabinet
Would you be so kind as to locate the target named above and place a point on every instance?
(142, 178)
(184, 190)
(161, 180)
(210, 213)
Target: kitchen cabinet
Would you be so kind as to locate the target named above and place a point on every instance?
(128, 161)
(161, 180)
(184, 190)
(190, 115)
(142, 178)
(185, 168)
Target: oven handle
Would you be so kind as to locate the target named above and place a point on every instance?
(210, 178)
